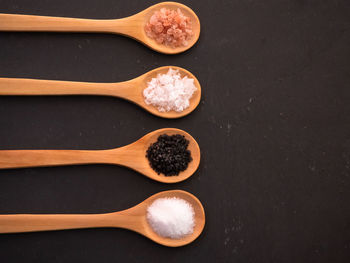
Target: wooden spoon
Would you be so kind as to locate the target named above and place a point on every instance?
(132, 156)
(133, 219)
(132, 26)
(131, 90)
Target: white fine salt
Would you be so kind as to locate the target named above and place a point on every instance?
(171, 217)
(169, 91)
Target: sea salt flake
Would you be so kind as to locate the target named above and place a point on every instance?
(169, 91)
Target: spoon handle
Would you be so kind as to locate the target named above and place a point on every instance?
(17, 223)
(29, 223)
(35, 158)
(12, 22)
(14, 86)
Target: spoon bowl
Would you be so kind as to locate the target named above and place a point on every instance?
(132, 156)
(131, 90)
(147, 231)
(134, 219)
(142, 84)
(142, 165)
(145, 16)
(132, 26)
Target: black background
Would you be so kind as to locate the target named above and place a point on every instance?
(273, 127)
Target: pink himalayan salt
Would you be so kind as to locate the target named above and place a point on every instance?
(169, 27)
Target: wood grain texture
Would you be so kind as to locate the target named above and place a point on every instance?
(132, 156)
(133, 219)
(131, 90)
(132, 26)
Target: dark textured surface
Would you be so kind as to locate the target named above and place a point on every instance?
(273, 127)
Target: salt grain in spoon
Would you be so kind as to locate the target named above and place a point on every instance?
(169, 91)
(171, 217)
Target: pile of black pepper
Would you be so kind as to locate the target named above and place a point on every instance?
(169, 154)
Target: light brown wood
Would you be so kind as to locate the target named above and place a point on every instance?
(133, 219)
(131, 90)
(132, 26)
(132, 156)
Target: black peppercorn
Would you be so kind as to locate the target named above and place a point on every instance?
(169, 154)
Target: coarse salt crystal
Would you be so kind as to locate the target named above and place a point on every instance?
(171, 217)
(169, 91)
(169, 27)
